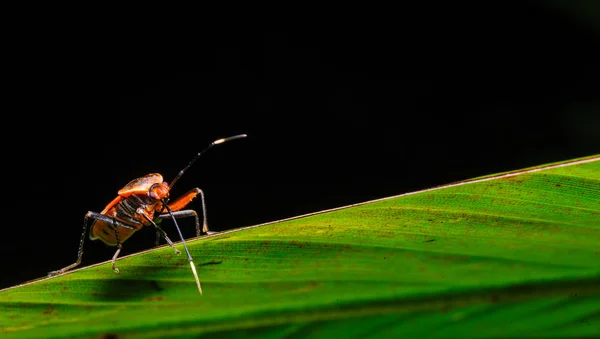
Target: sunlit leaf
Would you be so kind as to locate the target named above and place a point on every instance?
(509, 256)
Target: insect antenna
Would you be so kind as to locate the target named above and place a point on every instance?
(186, 249)
(216, 142)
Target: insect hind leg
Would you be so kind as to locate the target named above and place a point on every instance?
(79, 252)
(88, 215)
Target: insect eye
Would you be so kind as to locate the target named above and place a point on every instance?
(152, 191)
(158, 191)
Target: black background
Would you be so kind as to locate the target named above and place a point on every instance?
(341, 108)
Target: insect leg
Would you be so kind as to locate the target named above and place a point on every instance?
(163, 233)
(183, 201)
(119, 247)
(89, 215)
(79, 252)
(185, 214)
(204, 224)
(158, 234)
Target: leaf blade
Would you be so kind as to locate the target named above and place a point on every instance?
(455, 259)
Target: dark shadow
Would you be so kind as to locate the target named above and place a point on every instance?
(126, 287)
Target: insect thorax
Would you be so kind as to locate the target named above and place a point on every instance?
(127, 209)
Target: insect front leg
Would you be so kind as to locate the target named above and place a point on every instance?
(161, 232)
(89, 215)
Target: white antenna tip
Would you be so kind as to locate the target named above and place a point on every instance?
(222, 140)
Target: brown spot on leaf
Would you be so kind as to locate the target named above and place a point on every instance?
(298, 244)
(157, 298)
(558, 185)
(48, 310)
(513, 179)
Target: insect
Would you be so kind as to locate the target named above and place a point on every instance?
(143, 202)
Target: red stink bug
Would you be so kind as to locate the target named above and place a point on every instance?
(140, 203)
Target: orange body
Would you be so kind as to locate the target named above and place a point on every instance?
(141, 195)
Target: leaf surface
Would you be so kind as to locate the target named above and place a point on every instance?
(514, 255)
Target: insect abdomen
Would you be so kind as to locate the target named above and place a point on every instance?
(103, 231)
(126, 212)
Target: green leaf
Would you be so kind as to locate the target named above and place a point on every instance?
(508, 256)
